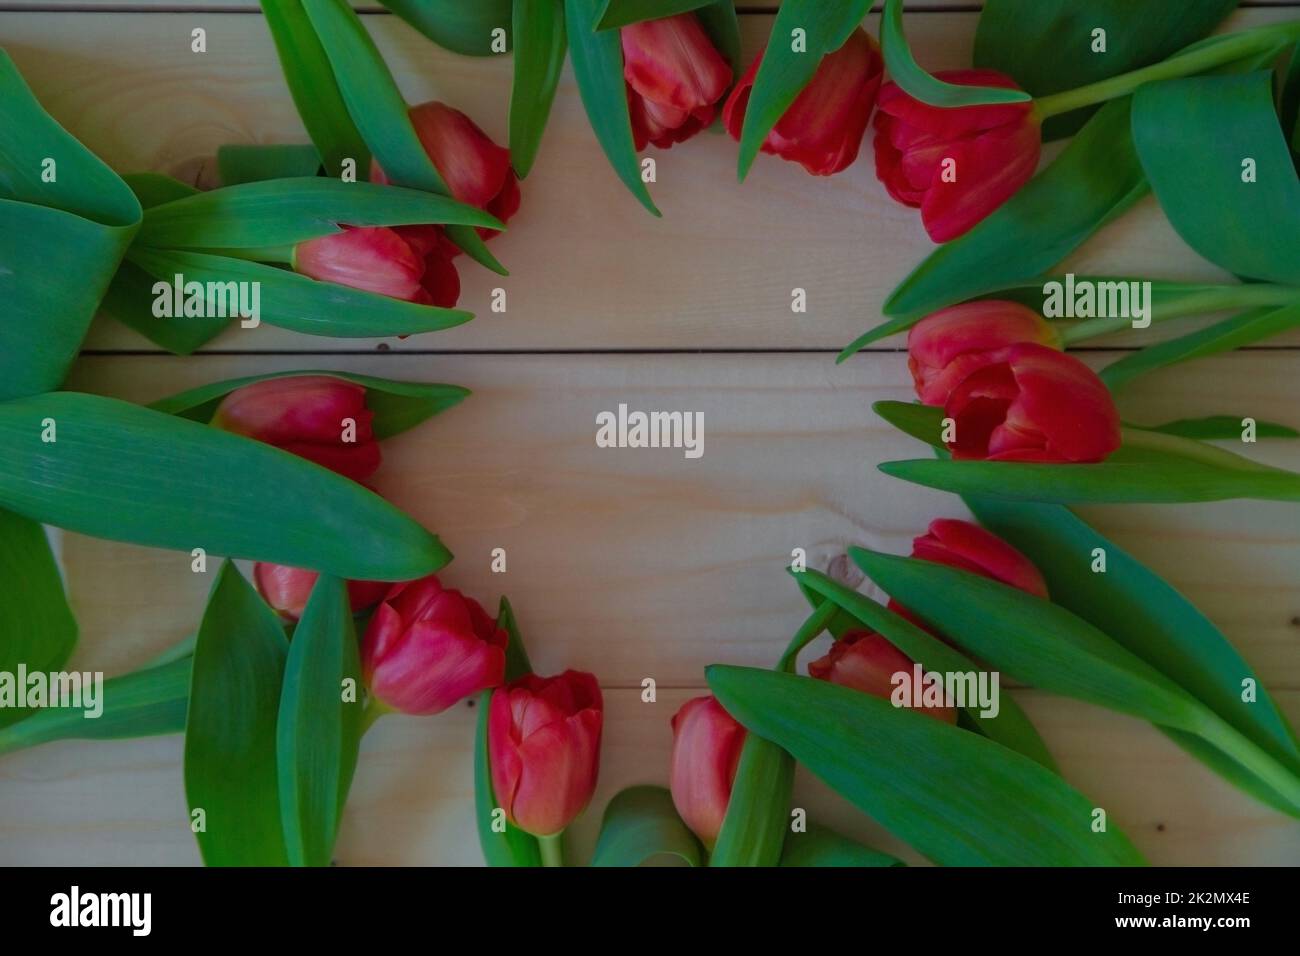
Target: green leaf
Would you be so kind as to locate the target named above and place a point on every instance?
(517, 663)
(397, 406)
(598, 67)
(918, 83)
(154, 189)
(784, 73)
(1289, 104)
(1249, 228)
(456, 25)
(292, 301)
(314, 90)
(821, 846)
(376, 106)
(1047, 45)
(37, 627)
(957, 797)
(758, 813)
(1095, 179)
(1221, 428)
(60, 241)
(144, 703)
(230, 737)
(640, 824)
(1010, 726)
(720, 22)
(238, 164)
(539, 61)
(318, 729)
(128, 473)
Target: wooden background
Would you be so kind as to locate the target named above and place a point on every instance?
(629, 563)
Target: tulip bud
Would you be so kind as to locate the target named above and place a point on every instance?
(823, 128)
(867, 662)
(675, 78)
(287, 589)
(957, 165)
(706, 750)
(403, 262)
(544, 748)
(949, 345)
(1037, 404)
(476, 170)
(427, 648)
(309, 416)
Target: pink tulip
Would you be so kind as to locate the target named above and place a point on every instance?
(675, 78)
(823, 129)
(957, 165)
(867, 662)
(544, 748)
(287, 589)
(307, 415)
(706, 749)
(403, 262)
(949, 345)
(428, 648)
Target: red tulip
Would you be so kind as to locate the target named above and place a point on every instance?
(1035, 404)
(309, 416)
(675, 78)
(403, 262)
(706, 749)
(287, 589)
(957, 165)
(544, 748)
(823, 128)
(867, 662)
(949, 345)
(428, 648)
(476, 170)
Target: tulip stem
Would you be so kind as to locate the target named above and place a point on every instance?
(1197, 300)
(372, 712)
(552, 848)
(1205, 56)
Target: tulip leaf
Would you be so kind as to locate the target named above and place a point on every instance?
(1047, 646)
(785, 71)
(539, 61)
(720, 22)
(1048, 46)
(455, 25)
(1238, 205)
(821, 846)
(314, 90)
(230, 732)
(288, 300)
(154, 189)
(66, 219)
(376, 106)
(958, 798)
(1009, 726)
(127, 473)
(640, 824)
(517, 663)
(758, 813)
(1221, 428)
(318, 729)
(144, 703)
(37, 628)
(598, 67)
(622, 13)
(1289, 104)
(288, 211)
(238, 164)
(397, 406)
(916, 82)
(1141, 611)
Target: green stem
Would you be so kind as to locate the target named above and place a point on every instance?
(374, 710)
(1280, 778)
(279, 254)
(1199, 300)
(552, 848)
(1203, 57)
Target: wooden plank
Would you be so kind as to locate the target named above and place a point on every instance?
(639, 563)
(744, 6)
(128, 85)
(122, 803)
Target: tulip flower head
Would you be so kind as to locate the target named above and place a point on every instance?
(675, 78)
(287, 589)
(823, 128)
(411, 263)
(317, 417)
(867, 662)
(428, 648)
(706, 750)
(544, 749)
(946, 347)
(956, 164)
